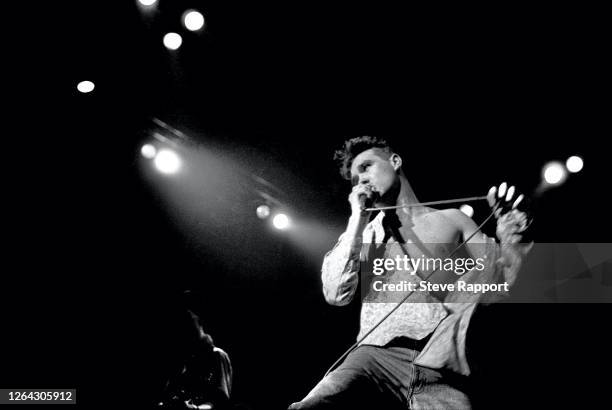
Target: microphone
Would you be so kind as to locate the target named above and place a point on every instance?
(367, 201)
(362, 201)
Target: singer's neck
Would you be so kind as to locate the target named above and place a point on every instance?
(401, 195)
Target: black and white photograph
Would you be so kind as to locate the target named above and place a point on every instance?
(328, 205)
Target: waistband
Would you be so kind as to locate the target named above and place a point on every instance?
(409, 343)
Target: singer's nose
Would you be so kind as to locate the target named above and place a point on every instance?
(363, 179)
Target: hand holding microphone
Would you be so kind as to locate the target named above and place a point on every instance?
(361, 197)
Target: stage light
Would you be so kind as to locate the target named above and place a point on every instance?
(554, 173)
(193, 20)
(467, 209)
(172, 41)
(167, 161)
(147, 2)
(263, 211)
(574, 164)
(148, 151)
(281, 221)
(85, 86)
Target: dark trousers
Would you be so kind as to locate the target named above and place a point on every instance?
(374, 377)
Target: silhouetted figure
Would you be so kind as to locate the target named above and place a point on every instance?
(205, 378)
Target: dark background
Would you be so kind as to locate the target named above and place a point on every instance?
(96, 260)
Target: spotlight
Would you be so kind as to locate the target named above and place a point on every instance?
(167, 162)
(574, 164)
(85, 86)
(193, 20)
(263, 211)
(281, 221)
(147, 2)
(172, 41)
(467, 209)
(148, 151)
(554, 173)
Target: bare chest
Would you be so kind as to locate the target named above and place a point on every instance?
(432, 238)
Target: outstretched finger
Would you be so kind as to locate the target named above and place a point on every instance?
(491, 196)
(518, 201)
(510, 193)
(502, 190)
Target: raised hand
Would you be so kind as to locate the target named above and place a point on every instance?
(510, 220)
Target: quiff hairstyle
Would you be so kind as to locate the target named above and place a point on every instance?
(355, 146)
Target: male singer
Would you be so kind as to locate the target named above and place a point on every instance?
(416, 357)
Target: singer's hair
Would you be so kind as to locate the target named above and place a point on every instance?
(354, 147)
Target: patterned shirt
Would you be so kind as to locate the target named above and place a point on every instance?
(422, 314)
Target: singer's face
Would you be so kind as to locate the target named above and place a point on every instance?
(373, 167)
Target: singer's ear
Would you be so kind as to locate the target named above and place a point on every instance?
(395, 161)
